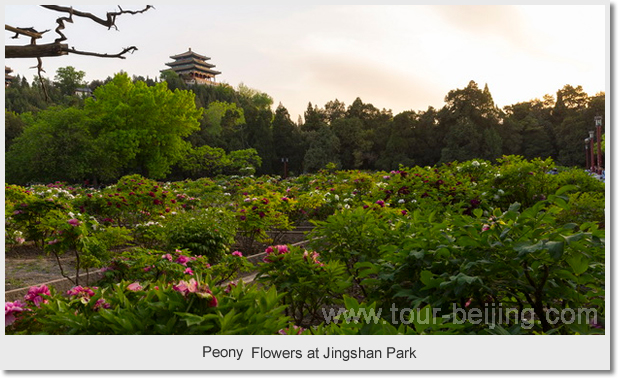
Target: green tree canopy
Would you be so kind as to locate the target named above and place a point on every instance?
(141, 128)
(56, 145)
(68, 79)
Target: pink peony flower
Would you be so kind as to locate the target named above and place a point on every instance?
(73, 222)
(35, 294)
(100, 304)
(186, 287)
(237, 253)
(282, 249)
(183, 260)
(189, 271)
(229, 287)
(168, 256)
(80, 291)
(135, 286)
(10, 309)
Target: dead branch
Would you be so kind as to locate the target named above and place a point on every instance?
(110, 21)
(40, 69)
(57, 48)
(120, 55)
(30, 32)
(36, 51)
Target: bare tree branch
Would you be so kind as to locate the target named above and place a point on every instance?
(111, 16)
(40, 69)
(30, 32)
(57, 48)
(36, 51)
(120, 55)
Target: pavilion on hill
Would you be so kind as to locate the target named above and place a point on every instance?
(193, 68)
(8, 78)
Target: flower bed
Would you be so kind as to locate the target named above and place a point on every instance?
(471, 236)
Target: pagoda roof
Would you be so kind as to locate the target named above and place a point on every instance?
(189, 54)
(212, 72)
(188, 61)
(195, 68)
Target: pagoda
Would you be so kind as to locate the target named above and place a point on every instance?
(193, 68)
(8, 78)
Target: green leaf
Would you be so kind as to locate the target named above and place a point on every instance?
(190, 319)
(514, 206)
(578, 263)
(422, 318)
(523, 248)
(565, 189)
(555, 249)
(427, 278)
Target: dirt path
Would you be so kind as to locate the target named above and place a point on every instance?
(27, 265)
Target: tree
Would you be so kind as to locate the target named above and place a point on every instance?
(55, 145)
(260, 137)
(314, 119)
(471, 110)
(352, 142)
(13, 127)
(288, 143)
(323, 149)
(401, 143)
(334, 110)
(253, 97)
(141, 128)
(68, 79)
(57, 48)
(222, 126)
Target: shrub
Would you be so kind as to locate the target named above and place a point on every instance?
(140, 264)
(208, 232)
(191, 307)
(523, 259)
(309, 284)
(583, 181)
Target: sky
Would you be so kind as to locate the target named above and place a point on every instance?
(397, 57)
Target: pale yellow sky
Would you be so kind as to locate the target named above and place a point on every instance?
(401, 57)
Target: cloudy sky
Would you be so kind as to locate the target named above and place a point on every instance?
(398, 57)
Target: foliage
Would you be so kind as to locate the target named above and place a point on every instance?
(521, 259)
(82, 235)
(141, 127)
(155, 308)
(140, 264)
(56, 144)
(68, 79)
(468, 236)
(309, 284)
(208, 232)
(524, 181)
(583, 181)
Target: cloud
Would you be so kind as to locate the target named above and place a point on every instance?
(347, 78)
